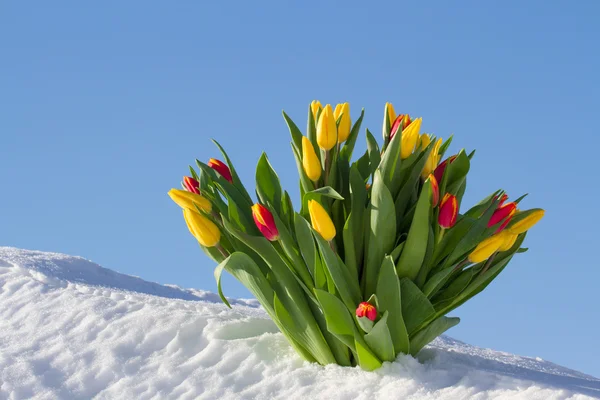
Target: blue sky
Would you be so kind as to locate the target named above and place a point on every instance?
(103, 106)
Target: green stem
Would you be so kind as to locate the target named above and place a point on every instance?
(224, 252)
(488, 263)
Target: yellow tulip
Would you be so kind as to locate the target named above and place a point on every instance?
(320, 220)
(186, 200)
(315, 106)
(526, 223)
(390, 113)
(486, 248)
(345, 123)
(203, 229)
(433, 159)
(410, 136)
(310, 162)
(424, 141)
(509, 240)
(326, 129)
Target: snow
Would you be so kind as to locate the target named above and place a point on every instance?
(70, 329)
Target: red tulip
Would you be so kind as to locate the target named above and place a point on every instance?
(366, 309)
(448, 211)
(435, 190)
(502, 212)
(264, 221)
(221, 168)
(439, 171)
(191, 185)
(503, 199)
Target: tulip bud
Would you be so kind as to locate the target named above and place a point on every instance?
(424, 141)
(433, 157)
(202, 228)
(264, 222)
(366, 309)
(189, 201)
(191, 185)
(526, 223)
(435, 190)
(486, 248)
(410, 136)
(399, 124)
(326, 129)
(345, 123)
(448, 211)
(320, 220)
(389, 113)
(310, 162)
(503, 199)
(502, 212)
(439, 171)
(509, 241)
(221, 168)
(315, 106)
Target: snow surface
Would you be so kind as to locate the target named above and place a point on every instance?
(70, 329)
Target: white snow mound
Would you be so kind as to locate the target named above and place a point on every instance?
(70, 329)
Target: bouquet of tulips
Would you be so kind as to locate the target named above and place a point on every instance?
(378, 253)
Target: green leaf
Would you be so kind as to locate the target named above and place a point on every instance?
(429, 333)
(390, 160)
(365, 323)
(455, 174)
(363, 166)
(345, 284)
(350, 258)
(294, 132)
(416, 308)
(413, 255)
(380, 341)
(245, 270)
(388, 293)
(268, 187)
(339, 320)
(374, 151)
(287, 210)
(436, 282)
(347, 150)
(306, 243)
(382, 232)
(366, 359)
(311, 130)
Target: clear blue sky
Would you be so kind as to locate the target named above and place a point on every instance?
(104, 105)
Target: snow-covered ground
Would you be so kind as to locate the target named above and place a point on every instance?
(70, 329)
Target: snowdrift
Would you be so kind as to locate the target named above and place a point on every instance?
(70, 329)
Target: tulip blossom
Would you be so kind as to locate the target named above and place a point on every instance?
(509, 241)
(390, 114)
(504, 224)
(366, 309)
(409, 138)
(310, 162)
(439, 171)
(433, 157)
(435, 190)
(191, 185)
(190, 201)
(501, 213)
(526, 223)
(345, 125)
(264, 222)
(327, 129)
(448, 211)
(315, 106)
(202, 228)
(485, 249)
(221, 168)
(320, 220)
(503, 199)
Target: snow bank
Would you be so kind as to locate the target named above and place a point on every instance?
(70, 329)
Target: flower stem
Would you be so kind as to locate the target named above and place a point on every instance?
(488, 263)
(224, 252)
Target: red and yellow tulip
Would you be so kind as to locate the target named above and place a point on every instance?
(366, 309)
(191, 185)
(448, 211)
(264, 222)
(221, 168)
